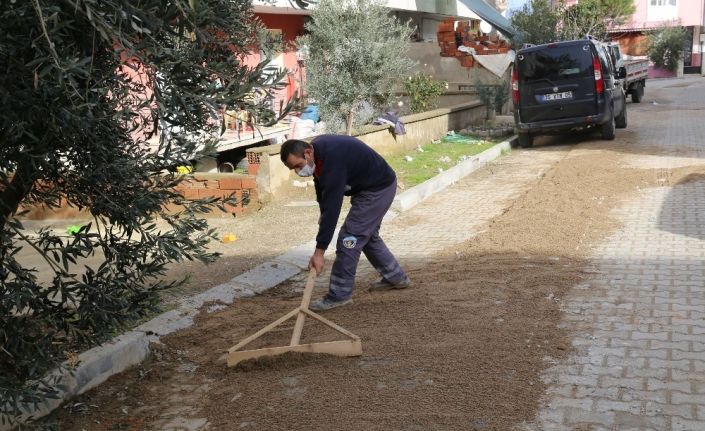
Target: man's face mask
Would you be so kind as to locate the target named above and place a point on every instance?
(307, 170)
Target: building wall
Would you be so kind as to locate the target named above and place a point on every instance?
(684, 12)
(697, 47)
(290, 27)
(421, 129)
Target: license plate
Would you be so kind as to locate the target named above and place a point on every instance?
(556, 96)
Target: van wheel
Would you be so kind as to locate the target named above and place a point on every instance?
(608, 128)
(621, 120)
(526, 140)
(637, 93)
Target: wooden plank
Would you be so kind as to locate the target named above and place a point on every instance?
(264, 330)
(338, 348)
(331, 324)
(305, 301)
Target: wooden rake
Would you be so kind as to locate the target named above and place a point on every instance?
(350, 347)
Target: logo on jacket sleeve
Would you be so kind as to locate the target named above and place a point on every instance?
(349, 241)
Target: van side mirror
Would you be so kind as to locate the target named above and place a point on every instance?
(622, 73)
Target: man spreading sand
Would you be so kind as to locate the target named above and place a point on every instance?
(345, 166)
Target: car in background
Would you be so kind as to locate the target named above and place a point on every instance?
(567, 86)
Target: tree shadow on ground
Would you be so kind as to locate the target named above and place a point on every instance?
(689, 194)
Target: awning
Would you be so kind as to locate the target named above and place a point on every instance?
(491, 15)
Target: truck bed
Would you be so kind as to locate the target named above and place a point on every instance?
(637, 70)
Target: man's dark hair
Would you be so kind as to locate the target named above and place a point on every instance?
(295, 147)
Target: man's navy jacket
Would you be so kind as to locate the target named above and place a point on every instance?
(344, 166)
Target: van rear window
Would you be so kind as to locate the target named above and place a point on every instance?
(556, 63)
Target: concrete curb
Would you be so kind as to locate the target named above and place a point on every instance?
(421, 192)
(98, 364)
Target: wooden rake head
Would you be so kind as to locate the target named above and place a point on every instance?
(350, 347)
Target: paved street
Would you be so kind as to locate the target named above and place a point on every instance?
(639, 325)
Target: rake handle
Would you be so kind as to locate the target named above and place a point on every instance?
(299, 325)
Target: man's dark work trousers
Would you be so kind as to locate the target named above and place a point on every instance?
(360, 233)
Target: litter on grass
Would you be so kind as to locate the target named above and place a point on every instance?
(462, 139)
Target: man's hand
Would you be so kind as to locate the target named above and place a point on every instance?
(317, 261)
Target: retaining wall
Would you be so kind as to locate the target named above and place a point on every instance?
(421, 129)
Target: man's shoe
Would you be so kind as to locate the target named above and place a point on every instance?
(323, 304)
(383, 285)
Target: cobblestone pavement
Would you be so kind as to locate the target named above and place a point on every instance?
(639, 325)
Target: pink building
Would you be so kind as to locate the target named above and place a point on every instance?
(653, 14)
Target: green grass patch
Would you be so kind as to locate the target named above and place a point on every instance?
(444, 155)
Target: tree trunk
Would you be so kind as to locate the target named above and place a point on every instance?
(17, 190)
(348, 129)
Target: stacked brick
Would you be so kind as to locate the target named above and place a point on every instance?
(253, 162)
(243, 187)
(467, 34)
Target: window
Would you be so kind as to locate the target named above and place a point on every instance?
(556, 63)
(662, 10)
(663, 3)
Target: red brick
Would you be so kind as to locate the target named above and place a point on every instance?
(252, 169)
(193, 184)
(185, 184)
(230, 194)
(253, 158)
(230, 183)
(445, 26)
(249, 183)
(210, 193)
(189, 193)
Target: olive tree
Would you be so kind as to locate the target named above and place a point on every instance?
(356, 58)
(536, 23)
(86, 87)
(542, 21)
